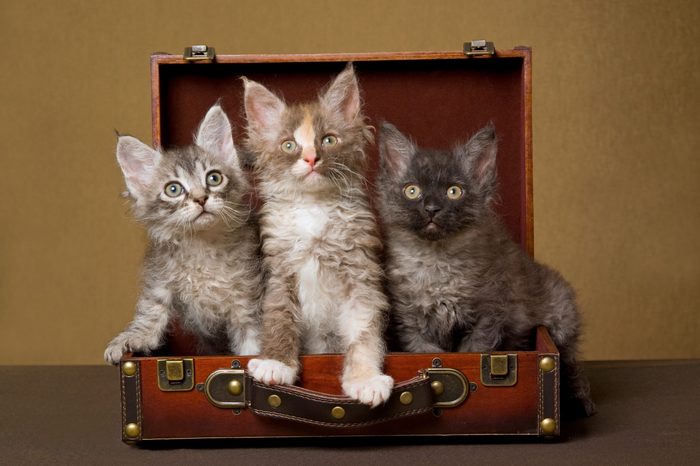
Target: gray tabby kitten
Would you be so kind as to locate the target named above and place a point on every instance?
(320, 239)
(457, 282)
(202, 265)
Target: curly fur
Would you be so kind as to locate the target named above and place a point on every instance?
(457, 282)
(202, 266)
(320, 239)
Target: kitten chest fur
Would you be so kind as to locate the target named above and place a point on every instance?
(429, 277)
(310, 236)
(205, 277)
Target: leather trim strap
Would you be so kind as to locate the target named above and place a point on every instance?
(408, 398)
(548, 406)
(131, 402)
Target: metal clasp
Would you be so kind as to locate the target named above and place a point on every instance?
(225, 388)
(175, 375)
(479, 47)
(499, 370)
(199, 53)
(450, 386)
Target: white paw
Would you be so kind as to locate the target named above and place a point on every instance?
(372, 391)
(127, 342)
(271, 371)
(115, 350)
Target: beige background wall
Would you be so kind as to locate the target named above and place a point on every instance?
(616, 143)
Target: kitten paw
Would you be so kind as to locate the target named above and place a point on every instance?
(271, 371)
(372, 391)
(125, 343)
(114, 352)
(589, 406)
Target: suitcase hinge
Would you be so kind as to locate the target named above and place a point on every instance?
(499, 370)
(199, 53)
(479, 47)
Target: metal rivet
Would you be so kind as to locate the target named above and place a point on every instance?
(406, 398)
(274, 401)
(235, 388)
(129, 368)
(438, 387)
(338, 412)
(548, 426)
(132, 430)
(547, 364)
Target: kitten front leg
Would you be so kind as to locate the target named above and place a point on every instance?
(410, 333)
(413, 341)
(249, 341)
(481, 340)
(145, 333)
(280, 336)
(243, 329)
(362, 378)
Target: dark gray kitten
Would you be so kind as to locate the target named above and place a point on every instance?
(456, 280)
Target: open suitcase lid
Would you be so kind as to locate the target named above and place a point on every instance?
(438, 98)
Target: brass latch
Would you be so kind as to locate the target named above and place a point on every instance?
(175, 375)
(450, 387)
(499, 370)
(479, 47)
(225, 388)
(175, 371)
(199, 53)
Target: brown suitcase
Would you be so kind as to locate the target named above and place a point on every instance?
(438, 98)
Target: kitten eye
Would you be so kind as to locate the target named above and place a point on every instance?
(173, 189)
(289, 146)
(329, 140)
(412, 192)
(214, 178)
(454, 192)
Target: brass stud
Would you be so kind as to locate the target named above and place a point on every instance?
(338, 412)
(132, 430)
(129, 368)
(548, 426)
(406, 398)
(547, 364)
(274, 400)
(235, 387)
(438, 387)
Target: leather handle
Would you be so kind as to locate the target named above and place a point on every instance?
(408, 398)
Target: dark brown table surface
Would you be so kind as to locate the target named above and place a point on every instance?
(649, 413)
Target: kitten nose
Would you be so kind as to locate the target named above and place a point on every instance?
(310, 157)
(201, 200)
(432, 209)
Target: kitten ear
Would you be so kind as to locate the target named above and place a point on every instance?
(343, 95)
(479, 156)
(263, 109)
(214, 136)
(395, 150)
(138, 163)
